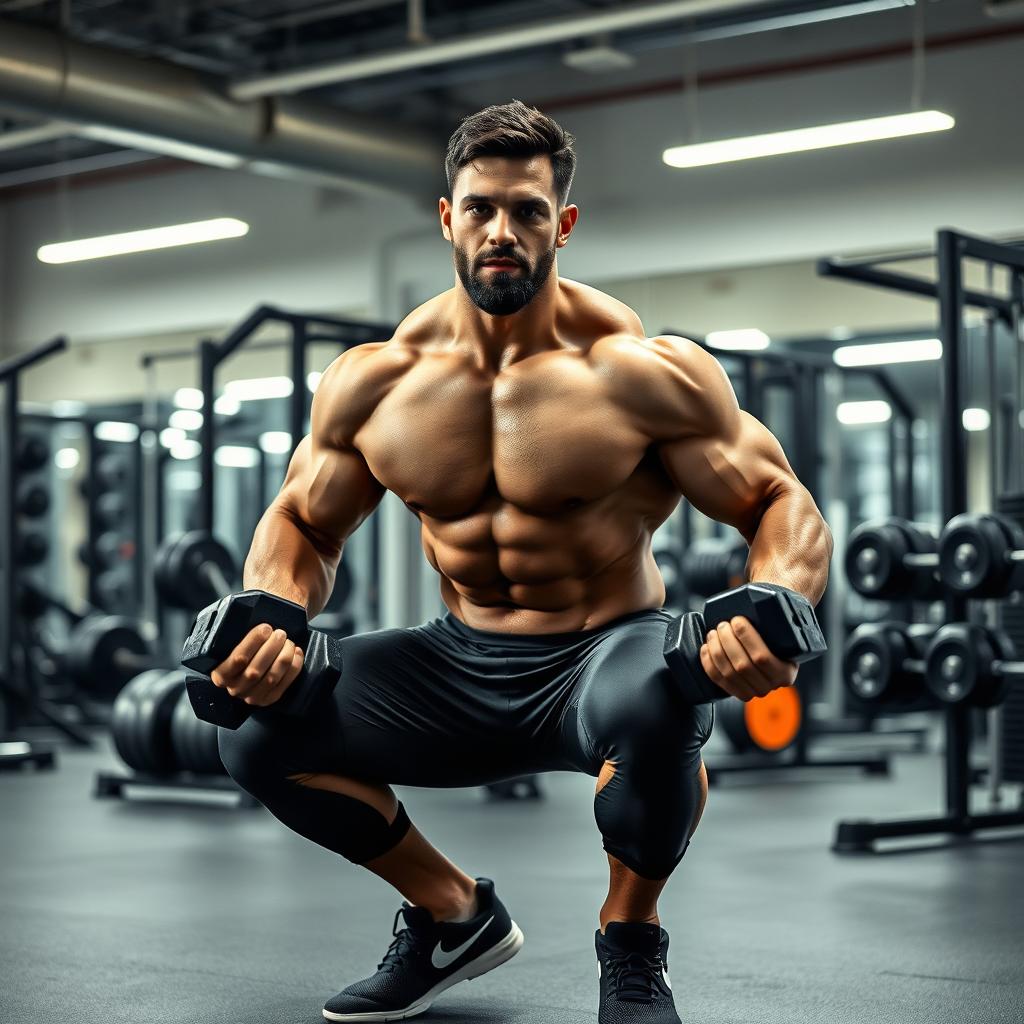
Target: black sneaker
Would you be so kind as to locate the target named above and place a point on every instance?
(428, 957)
(632, 962)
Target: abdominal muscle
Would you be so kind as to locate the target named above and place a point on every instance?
(564, 574)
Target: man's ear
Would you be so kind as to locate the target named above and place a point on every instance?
(444, 210)
(566, 222)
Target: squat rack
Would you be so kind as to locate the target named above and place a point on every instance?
(14, 752)
(952, 248)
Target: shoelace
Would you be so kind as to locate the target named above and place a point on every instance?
(403, 945)
(635, 977)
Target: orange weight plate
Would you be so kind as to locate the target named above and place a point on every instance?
(773, 721)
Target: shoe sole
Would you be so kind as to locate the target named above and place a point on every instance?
(487, 961)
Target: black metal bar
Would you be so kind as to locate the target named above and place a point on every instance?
(977, 248)
(953, 459)
(10, 371)
(250, 324)
(907, 283)
(859, 836)
(92, 527)
(297, 410)
(209, 355)
(884, 381)
(908, 254)
(1016, 438)
(9, 539)
(13, 366)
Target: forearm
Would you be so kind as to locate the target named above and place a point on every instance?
(792, 545)
(288, 559)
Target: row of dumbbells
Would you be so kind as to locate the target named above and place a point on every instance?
(975, 556)
(958, 663)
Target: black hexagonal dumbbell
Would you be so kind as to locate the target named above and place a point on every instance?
(883, 662)
(784, 619)
(891, 560)
(982, 555)
(971, 664)
(221, 626)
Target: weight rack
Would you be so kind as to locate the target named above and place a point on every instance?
(952, 248)
(16, 752)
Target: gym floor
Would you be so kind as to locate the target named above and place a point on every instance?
(169, 912)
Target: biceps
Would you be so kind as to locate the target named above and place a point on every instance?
(730, 478)
(328, 492)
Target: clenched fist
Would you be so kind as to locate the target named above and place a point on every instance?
(261, 668)
(736, 658)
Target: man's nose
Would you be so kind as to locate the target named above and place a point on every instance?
(501, 232)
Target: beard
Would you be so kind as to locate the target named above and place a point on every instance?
(503, 294)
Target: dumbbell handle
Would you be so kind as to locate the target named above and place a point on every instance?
(922, 560)
(131, 661)
(1013, 670)
(211, 574)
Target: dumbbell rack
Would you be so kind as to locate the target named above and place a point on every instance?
(952, 247)
(17, 752)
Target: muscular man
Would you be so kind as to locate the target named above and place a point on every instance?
(540, 438)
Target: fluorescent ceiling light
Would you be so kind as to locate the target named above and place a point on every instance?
(745, 339)
(276, 442)
(853, 414)
(159, 144)
(112, 430)
(171, 436)
(188, 398)
(143, 241)
(259, 387)
(225, 405)
(68, 407)
(976, 419)
(66, 458)
(186, 450)
(800, 140)
(313, 380)
(186, 419)
(887, 352)
(235, 456)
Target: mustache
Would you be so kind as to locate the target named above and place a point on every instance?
(501, 256)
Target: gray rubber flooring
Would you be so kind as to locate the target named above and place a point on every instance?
(137, 911)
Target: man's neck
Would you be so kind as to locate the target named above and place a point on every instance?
(502, 340)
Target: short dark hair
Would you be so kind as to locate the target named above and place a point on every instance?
(512, 129)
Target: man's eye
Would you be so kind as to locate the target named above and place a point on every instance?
(530, 211)
(476, 207)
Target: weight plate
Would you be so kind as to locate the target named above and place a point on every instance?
(33, 451)
(773, 721)
(179, 569)
(110, 510)
(124, 716)
(90, 658)
(155, 709)
(194, 741)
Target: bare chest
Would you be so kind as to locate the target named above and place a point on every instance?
(541, 438)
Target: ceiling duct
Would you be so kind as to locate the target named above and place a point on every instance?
(164, 108)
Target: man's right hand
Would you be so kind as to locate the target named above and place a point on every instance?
(261, 668)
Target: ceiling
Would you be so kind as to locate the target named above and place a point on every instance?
(241, 42)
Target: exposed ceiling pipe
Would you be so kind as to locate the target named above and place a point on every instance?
(18, 138)
(163, 108)
(504, 40)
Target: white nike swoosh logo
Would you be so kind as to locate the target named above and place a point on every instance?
(441, 958)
